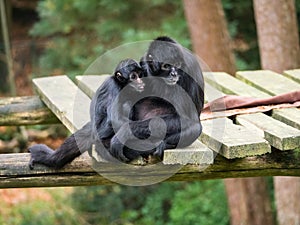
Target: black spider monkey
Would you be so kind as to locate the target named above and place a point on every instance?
(177, 97)
(99, 131)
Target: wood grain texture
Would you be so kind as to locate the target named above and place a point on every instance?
(293, 74)
(14, 171)
(278, 134)
(268, 81)
(65, 99)
(231, 140)
(29, 110)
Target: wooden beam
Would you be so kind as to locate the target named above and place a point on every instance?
(29, 110)
(14, 170)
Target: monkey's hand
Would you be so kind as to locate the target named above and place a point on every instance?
(40, 153)
(116, 149)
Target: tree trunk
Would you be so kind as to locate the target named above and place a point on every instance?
(237, 197)
(209, 34)
(253, 194)
(279, 49)
(277, 34)
(287, 193)
(4, 70)
(248, 200)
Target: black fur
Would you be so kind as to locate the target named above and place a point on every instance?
(177, 72)
(99, 131)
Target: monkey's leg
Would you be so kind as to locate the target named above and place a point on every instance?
(73, 147)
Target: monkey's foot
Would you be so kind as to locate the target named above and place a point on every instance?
(39, 154)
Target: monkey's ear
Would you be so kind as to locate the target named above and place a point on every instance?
(120, 77)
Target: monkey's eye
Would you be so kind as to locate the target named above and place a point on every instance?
(165, 66)
(134, 76)
(149, 57)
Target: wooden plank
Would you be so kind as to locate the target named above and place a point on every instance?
(278, 134)
(290, 116)
(211, 93)
(230, 85)
(15, 173)
(279, 85)
(232, 141)
(197, 153)
(236, 142)
(268, 81)
(90, 83)
(65, 99)
(293, 74)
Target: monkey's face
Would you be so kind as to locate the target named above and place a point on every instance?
(135, 80)
(163, 60)
(128, 72)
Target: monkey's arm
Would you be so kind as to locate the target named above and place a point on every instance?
(179, 132)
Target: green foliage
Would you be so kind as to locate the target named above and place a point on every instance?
(82, 30)
(166, 203)
(200, 203)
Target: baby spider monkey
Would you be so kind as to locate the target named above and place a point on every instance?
(99, 131)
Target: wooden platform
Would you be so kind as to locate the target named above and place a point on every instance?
(258, 144)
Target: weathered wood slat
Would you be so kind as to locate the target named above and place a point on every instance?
(282, 140)
(230, 85)
(268, 81)
(29, 110)
(289, 116)
(293, 74)
(197, 153)
(275, 84)
(14, 171)
(278, 134)
(232, 141)
(90, 83)
(211, 93)
(65, 99)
